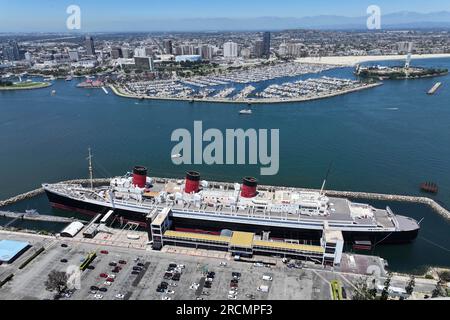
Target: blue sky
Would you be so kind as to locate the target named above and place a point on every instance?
(50, 15)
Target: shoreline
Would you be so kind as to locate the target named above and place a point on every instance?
(350, 61)
(39, 85)
(118, 91)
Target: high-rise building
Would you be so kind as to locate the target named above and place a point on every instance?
(206, 51)
(144, 63)
(10, 51)
(74, 55)
(116, 53)
(167, 44)
(258, 49)
(266, 44)
(89, 44)
(187, 50)
(127, 53)
(140, 52)
(230, 50)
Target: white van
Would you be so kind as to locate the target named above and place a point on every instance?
(267, 278)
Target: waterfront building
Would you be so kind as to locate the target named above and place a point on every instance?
(230, 50)
(10, 51)
(89, 45)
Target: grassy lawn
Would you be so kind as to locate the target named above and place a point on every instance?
(25, 85)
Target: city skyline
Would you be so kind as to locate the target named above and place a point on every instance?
(48, 16)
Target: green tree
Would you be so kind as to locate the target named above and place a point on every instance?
(439, 290)
(410, 286)
(56, 281)
(362, 290)
(385, 292)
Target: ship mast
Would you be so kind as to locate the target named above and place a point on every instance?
(91, 173)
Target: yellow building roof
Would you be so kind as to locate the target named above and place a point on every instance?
(242, 239)
(196, 236)
(289, 246)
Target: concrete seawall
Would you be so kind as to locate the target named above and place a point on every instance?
(346, 194)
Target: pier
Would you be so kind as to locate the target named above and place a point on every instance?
(33, 217)
(444, 212)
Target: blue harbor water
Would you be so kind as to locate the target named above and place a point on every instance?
(388, 139)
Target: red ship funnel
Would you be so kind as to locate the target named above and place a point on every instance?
(248, 189)
(192, 182)
(139, 176)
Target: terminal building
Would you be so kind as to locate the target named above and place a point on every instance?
(244, 244)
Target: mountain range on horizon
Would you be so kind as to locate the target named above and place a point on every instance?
(397, 20)
(404, 19)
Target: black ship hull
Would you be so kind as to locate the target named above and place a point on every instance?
(215, 227)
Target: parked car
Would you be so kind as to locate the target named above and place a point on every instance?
(90, 267)
(122, 262)
(267, 278)
(112, 264)
(159, 289)
(140, 264)
(94, 288)
(167, 275)
(170, 292)
(119, 296)
(98, 296)
(103, 275)
(166, 298)
(173, 265)
(137, 268)
(103, 289)
(135, 272)
(110, 279)
(104, 252)
(63, 260)
(107, 283)
(232, 297)
(64, 245)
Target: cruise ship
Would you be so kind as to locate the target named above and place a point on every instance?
(210, 207)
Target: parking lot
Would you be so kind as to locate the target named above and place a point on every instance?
(29, 283)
